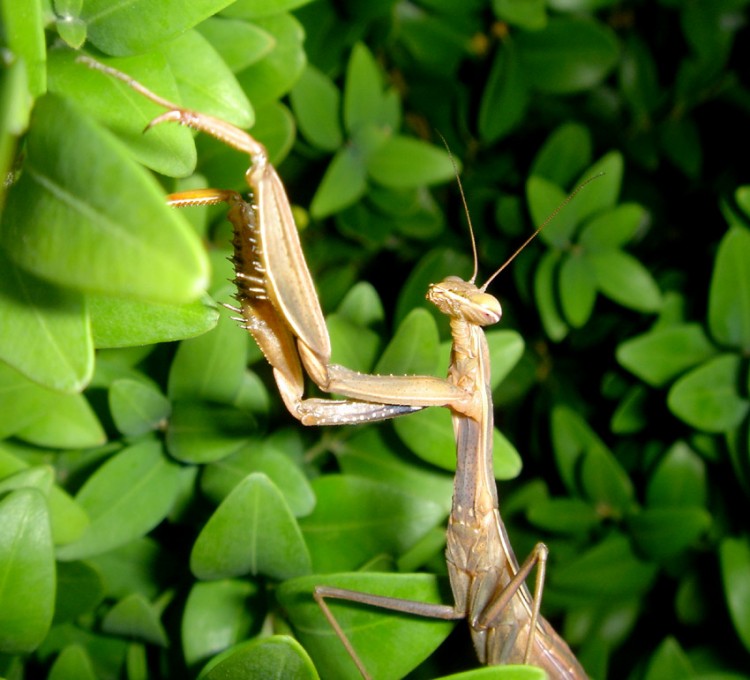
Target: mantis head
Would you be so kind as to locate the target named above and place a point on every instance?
(461, 299)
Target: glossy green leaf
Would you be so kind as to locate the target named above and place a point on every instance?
(708, 398)
(506, 349)
(577, 289)
(125, 498)
(21, 400)
(96, 235)
(565, 154)
(210, 366)
(46, 332)
(680, 139)
(659, 356)
(267, 80)
(362, 91)
(734, 557)
(352, 346)
(239, 43)
(203, 432)
(367, 518)
(69, 423)
(270, 657)
(27, 571)
(544, 295)
(219, 478)
(362, 305)
(137, 407)
(610, 569)
(544, 197)
(679, 480)
(568, 55)
(79, 589)
(663, 532)
(389, 644)
(505, 98)
(564, 515)
(117, 322)
(413, 349)
(136, 618)
(522, 13)
(669, 662)
(613, 228)
(408, 162)
(603, 191)
(252, 531)
(168, 149)
(23, 30)
(73, 663)
(205, 82)
(217, 615)
(343, 183)
(605, 483)
(370, 455)
(510, 672)
(625, 280)
(729, 296)
(140, 26)
(316, 103)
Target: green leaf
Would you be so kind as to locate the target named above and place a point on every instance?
(205, 81)
(662, 533)
(79, 590)
(217, 615)
(27, 572)
(506, 349)
(610, 569)
(613, 228)
(168, 149)
(389, 644)
(407, 162)
(96, 235)
(659, 356)
(140, 26)
(625, 280)
(210, 366)
(363, 98)
(565, 154)
(577, 289)
(605, 483)
(510, 672)
(125, 498)
(569, 55)
(413, 348)
(316, 103)
(203, 432)
(21, 401)
(356, 519)
(136, 618)
(544, 295)
(118, 322)
(264, 658)
(267, 80)
(602, 193)
(343, 183)
(669, 662)
(239, 43)
(137, 407)
(23, 30)
(679, 480)
(73, 663)
(252, 531)
(46, 332)
(544, 198)
(729, 296)
(68, 423)
(505, 98)
(219, 478)
(708, 397)
(734, 557)
(564, 515)
(680, 139)
(529, 14)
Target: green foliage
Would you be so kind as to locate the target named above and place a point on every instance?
(161, 515)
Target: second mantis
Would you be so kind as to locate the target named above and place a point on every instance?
(279, 306)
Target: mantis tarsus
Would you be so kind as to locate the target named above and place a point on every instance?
(280, 308)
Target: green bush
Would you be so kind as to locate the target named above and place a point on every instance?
(161, 514)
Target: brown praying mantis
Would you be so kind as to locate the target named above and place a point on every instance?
(280, 308)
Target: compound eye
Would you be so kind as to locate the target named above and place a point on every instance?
(487, 302)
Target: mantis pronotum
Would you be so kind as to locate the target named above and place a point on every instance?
(280, 308)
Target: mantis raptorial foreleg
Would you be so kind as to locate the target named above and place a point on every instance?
(279, 306)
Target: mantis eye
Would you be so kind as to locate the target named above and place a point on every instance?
(487, 302)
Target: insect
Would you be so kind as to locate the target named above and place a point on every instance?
(280, 308)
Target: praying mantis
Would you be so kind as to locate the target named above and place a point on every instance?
(279, 306)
